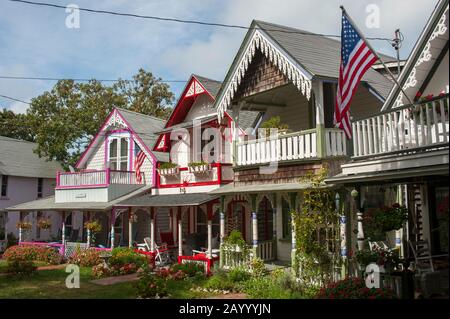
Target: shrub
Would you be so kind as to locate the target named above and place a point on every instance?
(257, 267)
(85, 257)
(235, 238)
(190, 269)
(353, 288)
(18, 266)
(121, 256)
(265, 288)
(219, 283)
(150, 285)
(237, 275)
(33, 253)
(101, 271)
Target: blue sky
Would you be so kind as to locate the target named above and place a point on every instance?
(35, 42)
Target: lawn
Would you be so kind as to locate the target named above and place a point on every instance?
(48, 284)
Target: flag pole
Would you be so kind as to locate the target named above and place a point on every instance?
(376, 54)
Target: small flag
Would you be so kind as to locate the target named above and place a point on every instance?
(138, 161)
(356, 59)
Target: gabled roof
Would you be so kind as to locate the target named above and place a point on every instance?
(319, 55)
(431, 43)
(301, 56)
(145, 126)
(18, 159)
(212, 86)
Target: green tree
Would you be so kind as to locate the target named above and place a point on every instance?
(67, 117)
(15, 126)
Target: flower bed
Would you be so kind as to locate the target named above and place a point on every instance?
(33, 253)
(86, 257)
(353, 288)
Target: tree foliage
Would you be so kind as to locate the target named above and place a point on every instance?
(63, 120)
(14, 125)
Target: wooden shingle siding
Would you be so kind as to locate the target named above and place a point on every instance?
(260, 76)
(97, 160)
(364, 104)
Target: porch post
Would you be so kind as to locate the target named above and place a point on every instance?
(63, 230)
(222, 219)
(360, 235)
(180, 232)
(254, 224)
(130, 228)
(209, 216)
(320, 118)
(113, 221)
(20, 227)
(88, 231)
(274, 225)
(152, 229)
(293, 206)
(343, 233)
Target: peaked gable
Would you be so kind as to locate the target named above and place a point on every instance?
(141, 127)
(427, 54)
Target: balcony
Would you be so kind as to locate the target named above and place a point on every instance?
(97, 178)
(95, 186)
(298, 146)
(406, 129)
(186, 179)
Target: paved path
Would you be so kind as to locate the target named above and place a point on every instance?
(115, 280)
(52, 267)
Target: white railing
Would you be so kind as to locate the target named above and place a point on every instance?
(293, 146)
(335, 142)
(408, 127)
(265, 250)
(95, 178)
(88, 178)
(232, 257)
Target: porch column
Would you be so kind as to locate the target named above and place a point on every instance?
(63, 229)
(20, 228)
(222, 219)
(180, 232)
(254, 224)
(113, 221)
(359, 217)
(152, 229)
(88, 231)
(342, 233)
(130, 227)
(293, 206)
(274, 225)
(317, 87)
(209, 209)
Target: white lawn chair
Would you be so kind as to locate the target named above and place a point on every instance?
(162, 257)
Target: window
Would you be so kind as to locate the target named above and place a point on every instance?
(118, 154)
(39, 187)
(286, 215)
(4, 187)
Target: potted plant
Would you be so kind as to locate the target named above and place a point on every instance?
(274, 123)
(199, 167)
(44, 223)
(377, 222)
(235, 241)
(94, 227)
(26, 226)
(168, 168)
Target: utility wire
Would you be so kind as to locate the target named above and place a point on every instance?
(14, 99)
(203, 23)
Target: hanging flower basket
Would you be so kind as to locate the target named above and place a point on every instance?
(199, 167)
(93, 226)
(44, 223)
(133, 218)
(24, 225)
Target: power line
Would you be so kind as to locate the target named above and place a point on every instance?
(14, 99)
(9, 77)
(198, 22)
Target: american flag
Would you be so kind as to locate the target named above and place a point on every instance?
(138, 160)
(356, 59)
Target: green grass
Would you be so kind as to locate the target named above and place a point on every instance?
(50, 284)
